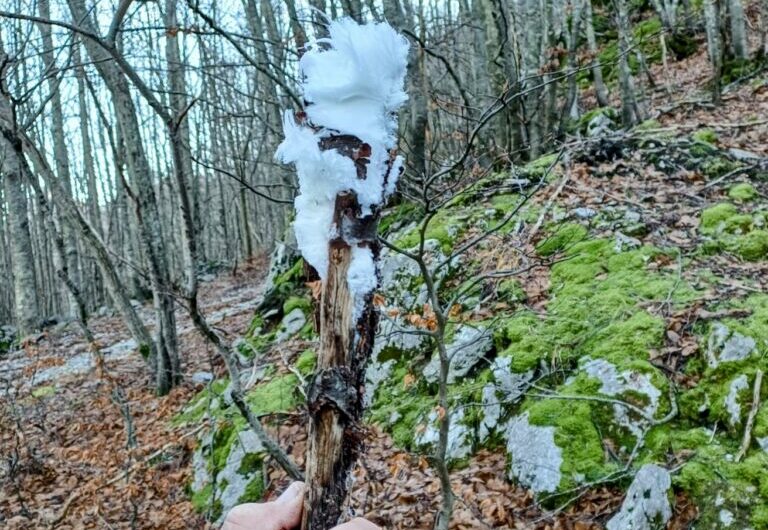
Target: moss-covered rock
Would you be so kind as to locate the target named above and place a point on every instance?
(446, 227)
(228, 462)
(707, 136)
(563, 237)
(731, 230)
(752, 246)
(717, 166)
(297, 302)
(743, 191)
(228, 470)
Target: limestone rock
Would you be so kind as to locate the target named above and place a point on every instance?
(507, 389)
(732, 404)
(536, 459)
(584, 213)
(291, 324)
(615, 383)
(646, 506)
(724, 346)
(459, 435)
(227, 471)
(467, 348)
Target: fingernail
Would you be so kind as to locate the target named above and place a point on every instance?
(293, 491)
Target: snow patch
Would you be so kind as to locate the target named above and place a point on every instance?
(536, 459)
(646, 506)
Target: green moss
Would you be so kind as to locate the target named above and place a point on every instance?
(540, 167)
(145, 350)
(631, 337)
(707, 136)
(752, 246)
(397, 217)
(717, 483)
(648, 125)
(399, 407)
(292, 275)
(251, 462)
(277, 395)
(446, 227)
(593, 275)
(742, 191)
(524, 338)
(510, 291)
(717, 166)
(201, 403)
(682, 43)
(734, 232)
(664, 440)
(737, 69)
(301, 302)
(715, 217)
(256, 325)
(564, 236)
(583, 124)
(576, 435)
(646, 37)
(201, 499)
(254, 490)
(221, 444)
(306, 362)
(43, 392)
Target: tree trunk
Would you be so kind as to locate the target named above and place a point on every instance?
(60, 150)
(714, 45)
(601, 92)
(738, 30)
(147, 211)
(630, 110)
(26, 309)
(22, 260)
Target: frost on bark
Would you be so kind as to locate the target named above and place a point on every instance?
(22, 259)
(343, 146)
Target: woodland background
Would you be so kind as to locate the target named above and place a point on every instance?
(585, 182)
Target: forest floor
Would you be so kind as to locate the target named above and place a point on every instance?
(94, 447)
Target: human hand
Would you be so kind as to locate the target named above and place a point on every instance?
(281, 514)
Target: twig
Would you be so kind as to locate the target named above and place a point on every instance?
(752, 414)
(730, 174)
(549, 204)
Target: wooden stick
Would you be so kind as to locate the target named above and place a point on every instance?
(747, 440)
(335, 394)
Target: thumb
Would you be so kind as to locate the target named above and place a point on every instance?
(290, 505)
(283, 513)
